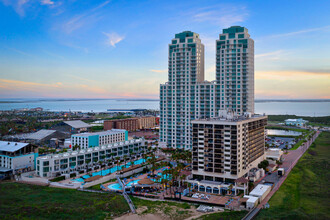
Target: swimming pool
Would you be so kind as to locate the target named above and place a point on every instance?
(134, 182)
(114, 169)
(115, 186)
(79, 180)
(108, 171)
(169, 177)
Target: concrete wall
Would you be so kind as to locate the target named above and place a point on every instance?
(99, 181)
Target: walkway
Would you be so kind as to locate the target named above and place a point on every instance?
(128, 199)
(290, 160)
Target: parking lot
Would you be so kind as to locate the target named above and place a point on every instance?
(280, 142)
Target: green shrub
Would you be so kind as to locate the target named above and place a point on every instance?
(57, 179)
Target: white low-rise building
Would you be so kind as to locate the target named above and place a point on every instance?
(17, 157)
(274, 154)
(260, 191)
(56, 164)
(87, 140)
(251, 201)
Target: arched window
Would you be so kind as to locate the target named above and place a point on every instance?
(208, 189)
(215, 190)
(196, 186)
(202, 188)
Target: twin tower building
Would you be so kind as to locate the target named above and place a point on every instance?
(187, 96)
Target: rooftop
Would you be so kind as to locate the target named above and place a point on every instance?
(87, 134)
(234, 29)
(230, 116)
(241, 180)
(260, 189)
(251, 199)
(77, 124)
(89, 150)
(40, 134)
(11, 146)
(185, 34)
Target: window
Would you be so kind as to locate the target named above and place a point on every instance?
(241, 36)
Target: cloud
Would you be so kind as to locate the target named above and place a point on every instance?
(84, 49)
(80, 20)
(18, 5)
(274, 55)
(222, 15)
(292, 84)
(53, 55)
(292, 75)
(81, 78)
(113, 38)
(19, 51)
(23, 85)
(295, 33)
(47, 2)
(158, 71)
(16, 88)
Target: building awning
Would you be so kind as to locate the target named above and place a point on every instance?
(243, 199)
(22, 167)
(4, 169)
(146, 182)
(241, 180)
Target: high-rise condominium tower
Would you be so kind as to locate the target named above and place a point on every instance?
(186, 96)
(235, 70)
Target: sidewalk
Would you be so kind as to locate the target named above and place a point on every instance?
(290, 161)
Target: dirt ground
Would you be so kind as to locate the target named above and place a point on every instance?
(191, 214)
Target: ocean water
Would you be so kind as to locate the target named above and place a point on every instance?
(101, 105)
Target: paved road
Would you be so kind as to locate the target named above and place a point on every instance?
(289, 162)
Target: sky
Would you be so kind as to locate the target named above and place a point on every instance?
(119, 49)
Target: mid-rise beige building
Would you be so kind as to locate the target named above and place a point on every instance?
(147, 122)
(227, 147)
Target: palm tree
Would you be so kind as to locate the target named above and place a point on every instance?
(87, 164)
(130, 155)
(144, 156)
(230, 187)
(117, 161)
(152, 162)
(182, 177)
(112, 155)
(101, 164)
(125, 158)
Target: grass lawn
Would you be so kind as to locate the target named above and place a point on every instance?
(305, 193)
(299, 143)
(19, 201)
(227, 215)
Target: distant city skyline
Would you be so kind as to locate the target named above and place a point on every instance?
(116, 49)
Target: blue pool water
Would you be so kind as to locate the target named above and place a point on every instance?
(169, 177)
(115, 186)
(114, 169)
(109, 171)
(80, 180)
(133, 182)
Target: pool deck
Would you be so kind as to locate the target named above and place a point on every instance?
(71, 180)
(143, 176)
